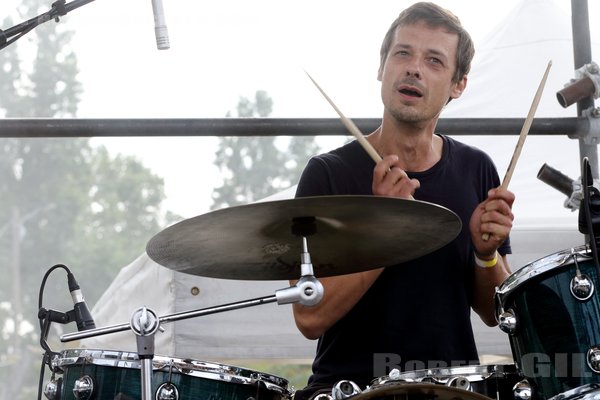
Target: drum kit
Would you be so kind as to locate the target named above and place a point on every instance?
(549, 308)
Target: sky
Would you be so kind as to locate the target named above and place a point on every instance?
(221, 50)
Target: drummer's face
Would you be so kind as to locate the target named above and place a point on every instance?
(417, 73)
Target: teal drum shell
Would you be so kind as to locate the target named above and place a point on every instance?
(117, 375)
(555, 330)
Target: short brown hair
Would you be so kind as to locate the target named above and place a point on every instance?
(434, 16)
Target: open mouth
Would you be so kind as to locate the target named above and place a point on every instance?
(411, 92)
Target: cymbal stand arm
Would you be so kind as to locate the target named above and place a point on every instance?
(170, 318)
(308, 291)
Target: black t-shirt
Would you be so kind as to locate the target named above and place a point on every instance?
(417, 314)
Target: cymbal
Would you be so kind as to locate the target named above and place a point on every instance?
(345, 234)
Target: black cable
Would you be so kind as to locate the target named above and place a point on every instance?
(45, 278)
(41, 380)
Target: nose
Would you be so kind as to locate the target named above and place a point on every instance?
(413, 68)
(413, 71)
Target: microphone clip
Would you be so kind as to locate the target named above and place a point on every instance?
(56, 316)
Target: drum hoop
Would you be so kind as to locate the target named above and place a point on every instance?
(420, 389)
(474, 373)
(588, 391)
(195, 368)
(539, 267)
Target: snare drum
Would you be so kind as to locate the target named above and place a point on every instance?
(551, 311)
(108, 375)
(492, 381)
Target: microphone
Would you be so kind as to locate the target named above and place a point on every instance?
(160, 25)
(556, 179)
(83, 318)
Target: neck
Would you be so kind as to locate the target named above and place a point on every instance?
(417, 147)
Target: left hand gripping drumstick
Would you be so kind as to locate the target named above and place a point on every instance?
(523, 135)
(350, 126)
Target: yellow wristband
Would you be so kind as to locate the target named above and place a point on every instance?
(486, 263)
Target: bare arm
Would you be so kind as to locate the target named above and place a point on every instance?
(494, 216)
(486, 281)
(341, 293)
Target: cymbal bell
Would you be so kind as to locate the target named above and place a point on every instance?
(345, 234)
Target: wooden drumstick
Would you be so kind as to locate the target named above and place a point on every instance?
(350, 126)
(523, 135)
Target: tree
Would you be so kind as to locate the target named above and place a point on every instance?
(63, 201)
(256, 167)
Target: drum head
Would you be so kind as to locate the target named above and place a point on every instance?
(418, 391)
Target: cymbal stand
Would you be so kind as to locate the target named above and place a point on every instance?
(144, 322)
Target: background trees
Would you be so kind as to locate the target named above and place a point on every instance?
(256, 167)
(63, 201)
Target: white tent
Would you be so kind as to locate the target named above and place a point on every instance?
(506, 72)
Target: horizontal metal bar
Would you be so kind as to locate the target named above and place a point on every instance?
(54, 127)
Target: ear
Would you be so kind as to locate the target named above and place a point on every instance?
(379, 73)
(459, 88)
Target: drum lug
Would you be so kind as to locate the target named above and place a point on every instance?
(83, 388)
(167, 391)
(344, 389)
(582, 287)
(508, 322)
(522, 390)
(460, 382)
(52, 389)
(593, 358)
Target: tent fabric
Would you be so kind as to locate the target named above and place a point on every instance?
(506, 71)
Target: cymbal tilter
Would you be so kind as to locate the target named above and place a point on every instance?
(308, 291)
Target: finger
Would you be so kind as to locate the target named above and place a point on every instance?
(384, 166)
(501, 194)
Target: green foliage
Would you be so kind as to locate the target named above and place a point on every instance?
(256, 167)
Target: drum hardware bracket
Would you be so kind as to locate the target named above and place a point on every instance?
(582, 286)
(53, 387)
(168, 390)
(308, 291)
(593, 358)
(344, 389)
(522, 390)
(507, 321)
(83, 388)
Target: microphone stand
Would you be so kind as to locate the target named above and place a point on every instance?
(46, 317)
(144, 322)
(59, 9)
